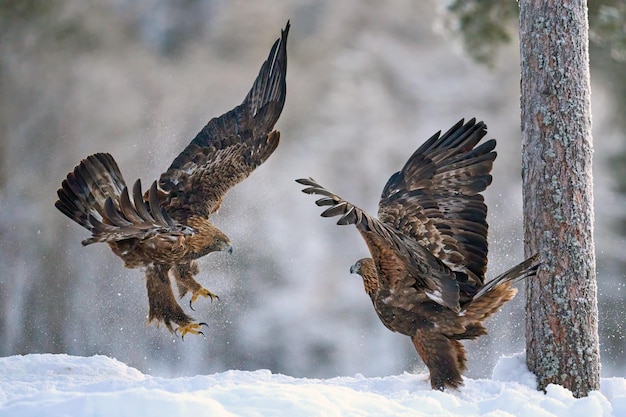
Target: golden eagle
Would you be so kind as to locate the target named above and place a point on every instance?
(426, 276)
(167, 228)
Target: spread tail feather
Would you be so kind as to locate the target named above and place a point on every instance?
(493, 295)
(527, 268)
(83, 194)
(95, 196)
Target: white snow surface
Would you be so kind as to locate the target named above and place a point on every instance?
(61, 385)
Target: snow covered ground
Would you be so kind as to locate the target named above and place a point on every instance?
(61, 385)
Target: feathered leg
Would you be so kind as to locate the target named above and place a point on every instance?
(461, 359)
(441, 357)
(163, 306)
(184, 273)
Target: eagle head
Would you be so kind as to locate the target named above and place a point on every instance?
(367, 270)
(208, 238)
(363, 267)
(356, 268)
(221, 243)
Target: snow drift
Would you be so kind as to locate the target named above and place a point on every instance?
(61, 385)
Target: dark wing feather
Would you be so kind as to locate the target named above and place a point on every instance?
(96, 197)
(85, 190)
(138, 220)
(231, 146)
(436, 200)
(405, 269)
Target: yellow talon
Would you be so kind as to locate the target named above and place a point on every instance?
(202, 292)
(192, 328)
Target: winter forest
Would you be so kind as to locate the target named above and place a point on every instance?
(367, 83)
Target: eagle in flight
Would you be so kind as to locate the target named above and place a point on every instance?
(426, 274)
(167, 228)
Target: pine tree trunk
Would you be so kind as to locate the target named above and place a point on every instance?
(562, 319)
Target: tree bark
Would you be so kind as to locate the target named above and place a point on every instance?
(562, 320)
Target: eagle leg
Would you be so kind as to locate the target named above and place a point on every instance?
(163, 306)
(461, 359)
(442, 357)
(183, 274)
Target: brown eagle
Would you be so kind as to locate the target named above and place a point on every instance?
(166, 229)
(426, 276)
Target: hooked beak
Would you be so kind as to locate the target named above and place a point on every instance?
(229, 249)
(354, 269)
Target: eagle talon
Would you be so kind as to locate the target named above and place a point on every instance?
(192, 328)
(202, 292)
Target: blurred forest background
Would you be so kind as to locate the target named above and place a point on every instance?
(367, 83)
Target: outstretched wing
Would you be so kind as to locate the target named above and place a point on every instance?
(405, 269)
(436, 200)
(231, 146)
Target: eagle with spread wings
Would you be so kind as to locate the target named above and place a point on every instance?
(426, 274)
(167, 228)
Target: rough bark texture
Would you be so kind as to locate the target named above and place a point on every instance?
(562, 320)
